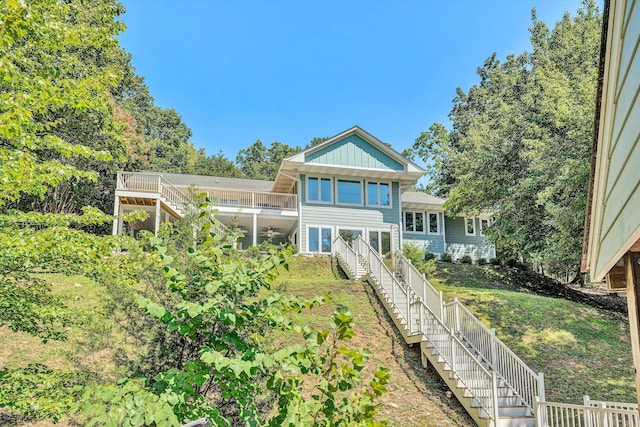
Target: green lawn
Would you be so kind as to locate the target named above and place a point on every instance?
(580, 349)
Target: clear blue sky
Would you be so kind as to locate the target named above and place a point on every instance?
(284, 70)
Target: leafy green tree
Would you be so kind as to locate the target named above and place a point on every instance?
(519, 146)
(212, 307)
(258, 162)
(218, 165)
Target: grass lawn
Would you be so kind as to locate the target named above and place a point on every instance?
(580, 349)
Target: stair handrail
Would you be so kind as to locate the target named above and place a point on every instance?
(347, 253)
(421, 286)
(590, 413)
(522, 379)
(378, 268)
(481, 383)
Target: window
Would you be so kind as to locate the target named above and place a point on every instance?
(378, 194)
(470, 226)
(319, 239)
(434, 226)
(484, 224)
(319, 190)
(349, 192)
(414, 222)
(380, 241)
(350, 236)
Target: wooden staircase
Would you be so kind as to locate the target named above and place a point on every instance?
(495, 387)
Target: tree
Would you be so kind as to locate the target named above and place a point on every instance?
(519, 146)
(258, 162)
(217, 165)
(208, 308)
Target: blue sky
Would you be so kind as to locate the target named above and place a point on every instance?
(284, 70)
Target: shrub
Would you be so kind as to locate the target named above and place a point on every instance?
(428, 256)
(466, 259)
(413, 253)
(482, 261)
(445, 257)
(495, 261)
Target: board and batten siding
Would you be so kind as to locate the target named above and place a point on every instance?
(347, 217)
(620, 219)
(353, 151)
(433, 243)
(459, 244)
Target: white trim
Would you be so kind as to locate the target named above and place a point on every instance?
(413, 231)
(336, 198)
(473, 221)
(378, 184)
(378, 230)
(320, 227)
(480, 219)
(428, 228)
(319, 178)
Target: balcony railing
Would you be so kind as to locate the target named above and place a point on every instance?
(154, 183)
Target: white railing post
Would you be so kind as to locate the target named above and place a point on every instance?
(456, 316)
(453, 350)
(494, 349)
(409, 322)
(424, 288)
(253, 200)
(494, 396)
(159, 184)
(541, 392)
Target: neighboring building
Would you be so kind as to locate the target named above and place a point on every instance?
(612, 235)
(350, 185)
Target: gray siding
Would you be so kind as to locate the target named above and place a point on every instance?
(434, 243)
(622, 195)
(459, 244)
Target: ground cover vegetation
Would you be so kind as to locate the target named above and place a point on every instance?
(520, 142)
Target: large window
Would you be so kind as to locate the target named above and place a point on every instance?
(414, 222)
(470, 226)
(378, 194)
(434, 225)
(320, 239)
(319, 190)
(349, 192)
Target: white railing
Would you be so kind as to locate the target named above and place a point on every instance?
(186, 201)
(343, 250)
(510, 367)
(252, 199)
(592, 413)
(398, 293)
(419, 283)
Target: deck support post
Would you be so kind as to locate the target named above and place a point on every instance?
(117, 221)
(632, 269)
(255, 230)
(156, 224)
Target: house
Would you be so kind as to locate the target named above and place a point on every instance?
(611, 248)
(352, 185)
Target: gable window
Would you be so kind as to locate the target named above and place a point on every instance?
(378, 194)
(319, 239)
(414, 222)
(349, 192)
(470, 226)
(434, 226)
(319, 190)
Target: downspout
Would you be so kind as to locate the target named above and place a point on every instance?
(299, 184)
(444, 234)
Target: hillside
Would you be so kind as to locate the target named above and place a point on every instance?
(581, 349)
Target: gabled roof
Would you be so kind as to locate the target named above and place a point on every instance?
(291, 166)
(419, 199)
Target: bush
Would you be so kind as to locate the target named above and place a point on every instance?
(445, 257)
(413, 253)
(428, 256)
(495, 261)
(466, 259)
(482, 261)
